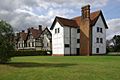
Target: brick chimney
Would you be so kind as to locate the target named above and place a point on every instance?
(85, 32)
(40, 27)
(86, 12)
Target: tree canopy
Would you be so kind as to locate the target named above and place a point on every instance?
(6, 41)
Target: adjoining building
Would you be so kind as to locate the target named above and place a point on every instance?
(81, 35)
(34, 39)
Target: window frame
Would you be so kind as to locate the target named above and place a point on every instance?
(97, 40)
(66, 45)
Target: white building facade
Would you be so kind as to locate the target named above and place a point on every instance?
(66, 35)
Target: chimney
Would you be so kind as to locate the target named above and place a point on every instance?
(40, 27)
(23, 31)
(85, 29)
(86, 12)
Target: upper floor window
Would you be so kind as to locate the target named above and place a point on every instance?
(97, 29)
(101, 40)
(78, 40)
(78, 30)
(101, 30)
(57, 30)
(97, 40)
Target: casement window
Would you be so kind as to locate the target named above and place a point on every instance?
(57, 30)
(101, 40)
(101, 30)
(97, 40)
(78, 40)
(97, 50)
(67, 45)
(98, 29)
(78, 30)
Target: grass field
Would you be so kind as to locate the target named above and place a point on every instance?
(62, 68)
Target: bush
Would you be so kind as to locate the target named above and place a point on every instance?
(30, 53)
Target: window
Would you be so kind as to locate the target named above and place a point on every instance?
(55, 30)
(78, 51)
(101, 30)
(78, 30)
(58, 30)
(97, 50)
(97, 29)
(67, 45)
(78, 40)
(97, 40)
(101, 40)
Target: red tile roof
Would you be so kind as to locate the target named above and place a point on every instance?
(75, 22)
(23, 35)
(35, 32)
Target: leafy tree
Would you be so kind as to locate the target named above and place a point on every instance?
(6, 41)
(116, 43)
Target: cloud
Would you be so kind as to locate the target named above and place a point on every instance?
(114, 27)
(22, 14)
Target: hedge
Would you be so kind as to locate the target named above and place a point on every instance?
(30, 53)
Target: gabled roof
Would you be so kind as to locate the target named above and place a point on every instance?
(47, 30)
(75, 22)
(34, 32)
(65, 22)
(23, 35)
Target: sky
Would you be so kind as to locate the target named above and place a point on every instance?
(22, 14)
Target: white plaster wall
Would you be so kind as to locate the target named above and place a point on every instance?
(95, 34)
(58, 40)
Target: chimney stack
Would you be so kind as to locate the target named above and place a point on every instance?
(40, 27)
(23, 31)
(85, 29)
(86, 12)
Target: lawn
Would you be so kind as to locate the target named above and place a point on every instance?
(62, 68)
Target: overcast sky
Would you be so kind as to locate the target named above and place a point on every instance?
(22, 14)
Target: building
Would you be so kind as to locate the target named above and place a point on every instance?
(34, 39)
(81, 35)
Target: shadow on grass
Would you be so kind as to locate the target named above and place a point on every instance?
(33, 64)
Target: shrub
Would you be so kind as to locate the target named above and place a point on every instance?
(30, 53)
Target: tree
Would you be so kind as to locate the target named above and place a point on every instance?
(6, 41)
(116, 43)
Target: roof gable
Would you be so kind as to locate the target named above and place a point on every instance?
(46, 29)
(75, 22)
(64, 22)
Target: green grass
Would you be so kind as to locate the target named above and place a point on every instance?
(62, 68)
